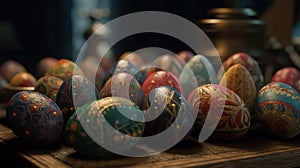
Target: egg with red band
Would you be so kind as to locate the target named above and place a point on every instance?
(278, 110)
(288, 75)
(219, 102)
(160, 78)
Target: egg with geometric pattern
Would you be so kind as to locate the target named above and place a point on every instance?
(34, 118)
(278, 110)
(103, 123)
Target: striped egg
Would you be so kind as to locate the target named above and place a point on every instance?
(278, 110)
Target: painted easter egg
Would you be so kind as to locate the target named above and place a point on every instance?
(126, 86)
(34, 118)
(127, 67)
(132, 57)
(224, 107)
(168, 63)
(278, 110)
(10, 68)
(86, 128)
(160, 78)
(197, 71)
(44, 64)
(185, 56)
(288, 75)
(64, 69)
(297, 86)
(238, 79)
(168, 111)
(23, 79)
(49, 86)
(249, 63)
(74, 92)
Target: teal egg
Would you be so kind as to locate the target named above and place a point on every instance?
(197, 71)
(89, 129)
(278, 110)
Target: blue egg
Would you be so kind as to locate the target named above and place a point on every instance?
(278, 110)
(34, 118)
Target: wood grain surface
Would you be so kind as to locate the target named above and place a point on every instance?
(256, 149)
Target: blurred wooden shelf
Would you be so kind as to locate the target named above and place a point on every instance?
(254, 150)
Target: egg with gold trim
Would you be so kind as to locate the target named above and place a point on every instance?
(224, 107)
(49, 86)
(34, 118)
(101, 122)
(64, 68)
(278, 110)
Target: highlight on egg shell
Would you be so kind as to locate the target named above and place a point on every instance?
(74, 92)
(102, 128)
(222, 110)
(126, 86)
(160, 78)
(288, 75)
(23, 79)
(166, 110)
(249, 63)
(278, 110)
(34, 118)
(238, 79)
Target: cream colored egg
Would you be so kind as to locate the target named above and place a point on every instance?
(238, 79)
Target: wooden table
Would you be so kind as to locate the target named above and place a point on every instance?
(254, 150)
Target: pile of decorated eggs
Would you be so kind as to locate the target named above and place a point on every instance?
(183, 94)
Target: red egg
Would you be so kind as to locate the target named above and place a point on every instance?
(288, 75)
(23, 79)
(160, 78)
(184, 56)
(224, 107)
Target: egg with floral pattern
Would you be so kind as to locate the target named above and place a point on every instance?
(224, 107)
(34, 118)
(278, 110)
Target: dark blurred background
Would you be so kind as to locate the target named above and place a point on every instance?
(31, 30)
